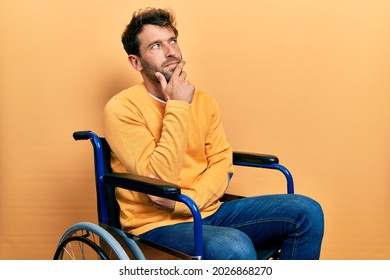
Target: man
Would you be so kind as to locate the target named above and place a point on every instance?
(164, 128)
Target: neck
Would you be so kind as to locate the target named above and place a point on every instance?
(154, 88)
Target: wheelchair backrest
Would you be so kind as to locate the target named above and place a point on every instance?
(111, 204)
(108, 208)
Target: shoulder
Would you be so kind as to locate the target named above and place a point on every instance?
(204, 97)
(132, 93)
(205, 101)
(127, 98)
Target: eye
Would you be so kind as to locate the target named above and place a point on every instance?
(155, 46)
(173, 41)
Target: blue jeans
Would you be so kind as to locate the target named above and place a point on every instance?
(240, 228)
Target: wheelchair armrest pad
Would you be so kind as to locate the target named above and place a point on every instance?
(142, 184)
(240, 158)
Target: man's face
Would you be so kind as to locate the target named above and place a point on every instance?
(159, 51)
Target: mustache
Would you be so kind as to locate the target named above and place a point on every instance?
(170, 60)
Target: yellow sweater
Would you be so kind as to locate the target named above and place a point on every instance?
(177, 142)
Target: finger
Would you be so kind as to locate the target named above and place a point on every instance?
(161, 79)
(153, 198)
(183, 75)
(179, 68)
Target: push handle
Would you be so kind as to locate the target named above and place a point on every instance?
(82, 135)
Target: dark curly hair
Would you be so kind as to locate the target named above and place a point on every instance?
(154, 16)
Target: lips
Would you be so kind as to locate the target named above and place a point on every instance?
(171, 62)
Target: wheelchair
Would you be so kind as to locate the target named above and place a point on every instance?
(107, 241)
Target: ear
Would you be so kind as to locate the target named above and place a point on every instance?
(135, 62)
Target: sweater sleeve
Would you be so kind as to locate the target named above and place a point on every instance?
(135, 146)
(213, 182)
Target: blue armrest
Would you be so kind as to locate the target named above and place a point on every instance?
(264, 161)
(240, 158)
(143, 184)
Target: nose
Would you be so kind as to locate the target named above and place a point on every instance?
(170, 50)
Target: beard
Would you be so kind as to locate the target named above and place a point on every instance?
(151, 69)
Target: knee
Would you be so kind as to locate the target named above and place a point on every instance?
(232, 244)
(311, 214)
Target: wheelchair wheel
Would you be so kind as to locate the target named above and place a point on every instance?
(87, 241)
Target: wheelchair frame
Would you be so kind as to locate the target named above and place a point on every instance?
(107, 239)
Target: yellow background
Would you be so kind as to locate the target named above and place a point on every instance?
(308, 81)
